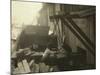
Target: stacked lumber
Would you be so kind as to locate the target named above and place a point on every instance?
(24, 67)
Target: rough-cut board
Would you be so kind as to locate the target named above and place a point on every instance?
(31, 62)
(20, 67)
(26, 66)
(42, 67)
(16, 71)
(36, 69)
(47, 68)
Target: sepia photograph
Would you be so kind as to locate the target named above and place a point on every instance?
(52, 37)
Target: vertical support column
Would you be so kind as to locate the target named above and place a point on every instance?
(59, 26)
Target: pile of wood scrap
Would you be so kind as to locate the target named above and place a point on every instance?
(29, 61)
(25, 68)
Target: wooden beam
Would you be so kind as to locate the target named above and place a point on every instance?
(26, 66)
(84, 13)
(77, 14)
(80, 31)
(20, 67)
(78, 36)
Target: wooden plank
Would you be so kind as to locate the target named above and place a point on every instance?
(84, 13)
(16, 71)
(26, 66)
(36, 70)
(32, 67)
(20, 67)
(47, 68)
(77, 35)
(80, 31)
(51, 69)
(31, 62)
(42, 67)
